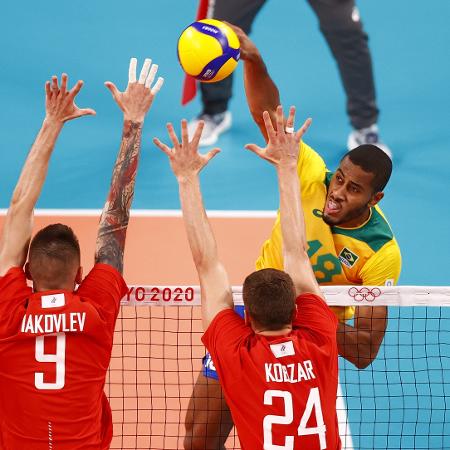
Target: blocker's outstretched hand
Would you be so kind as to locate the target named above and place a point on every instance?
(184, 157)
(283, 143)
(60, 103)
(136, 100)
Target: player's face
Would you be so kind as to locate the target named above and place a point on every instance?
(350, 195)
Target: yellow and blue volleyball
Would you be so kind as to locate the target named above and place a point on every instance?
(208, 50)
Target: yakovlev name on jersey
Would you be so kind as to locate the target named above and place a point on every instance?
(53, 323)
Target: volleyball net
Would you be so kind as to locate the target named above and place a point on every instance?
(402, 400)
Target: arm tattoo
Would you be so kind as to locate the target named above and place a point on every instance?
(116, 212)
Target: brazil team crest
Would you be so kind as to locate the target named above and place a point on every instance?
(348, 258)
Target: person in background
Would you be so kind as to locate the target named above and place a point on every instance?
(341, 25)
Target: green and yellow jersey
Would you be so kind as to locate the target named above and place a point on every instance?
(364, 255)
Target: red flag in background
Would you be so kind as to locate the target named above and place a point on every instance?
(190, 84)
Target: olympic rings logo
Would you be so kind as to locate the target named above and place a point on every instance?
(364, 294)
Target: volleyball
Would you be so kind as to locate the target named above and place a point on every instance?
(208, 50)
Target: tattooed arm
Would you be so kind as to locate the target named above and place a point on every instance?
(60, 107)
(135, 103)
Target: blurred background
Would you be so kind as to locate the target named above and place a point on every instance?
(93, 41)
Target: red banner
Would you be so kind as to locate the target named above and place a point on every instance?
(190, 84)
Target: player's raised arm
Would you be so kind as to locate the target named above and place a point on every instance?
(135, 102)
(282, 151)
(186, 164)
(60, 107)
(262, 93)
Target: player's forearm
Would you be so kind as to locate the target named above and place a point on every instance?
(116, 212)
(291, 214)
(33, 174)
(292, 220)
(215, 287)
(296, 261)
(198, 229)
(18, 226)
(262, 93)
(360, 344)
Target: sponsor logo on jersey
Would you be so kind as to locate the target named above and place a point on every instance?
(283, 349)
(53, 301)
(347, 257)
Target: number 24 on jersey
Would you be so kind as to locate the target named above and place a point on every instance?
(312, 405)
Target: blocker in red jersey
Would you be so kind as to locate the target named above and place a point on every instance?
(56, 339)
(279, 367)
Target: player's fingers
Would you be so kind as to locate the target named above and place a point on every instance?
(144, 71)
(269, 126)
(210, 155)
(132, 71)
(157, 86)
(303, 129)
(151, 75)
(87, 112)
(198, 134)
(280, 119)
(165, 148)
(291, 118)
(64, 79)
(48, 91)
(113, 89)
(184, 133)
(255, 149)
(74, 91)
(172, 135)
(54, 86)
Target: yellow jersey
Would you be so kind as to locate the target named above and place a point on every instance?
(364, 255)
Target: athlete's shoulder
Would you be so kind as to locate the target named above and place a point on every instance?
(384, 266)
(376, 232)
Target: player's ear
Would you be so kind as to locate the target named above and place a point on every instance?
(27, 272)
(375, 198)
(294, 314)
(79, 275)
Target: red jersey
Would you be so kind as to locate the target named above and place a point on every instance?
(281, 390)
(55, 348)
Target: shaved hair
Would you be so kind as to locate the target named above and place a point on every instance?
(54, 256)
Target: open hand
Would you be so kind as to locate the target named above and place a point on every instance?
(136, 100)
(60, 103)
(283, 144)
(184, 157)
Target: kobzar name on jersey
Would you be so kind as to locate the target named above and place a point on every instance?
(289, 373)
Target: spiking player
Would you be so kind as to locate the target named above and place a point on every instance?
(349, 242)
(55, 341)
(278, 371)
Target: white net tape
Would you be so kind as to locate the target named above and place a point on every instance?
(334, 295)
